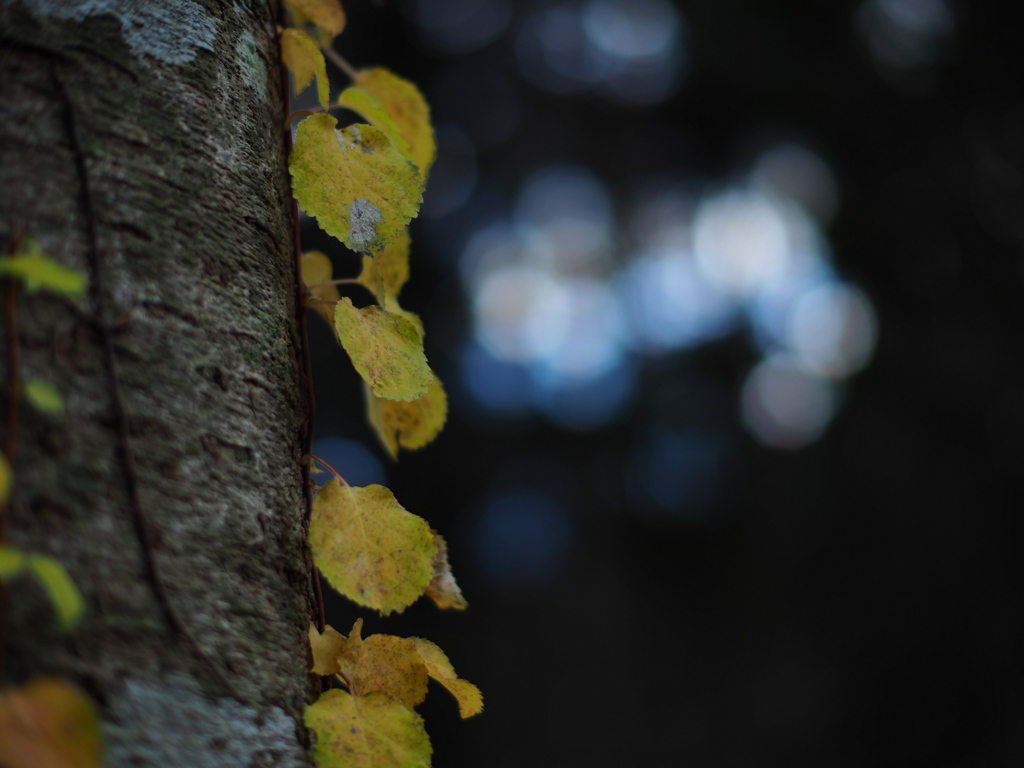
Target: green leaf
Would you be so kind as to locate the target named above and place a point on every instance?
(408, 110)
(302, 56)
(44, 397)
(12, 561)
(386, 350)
(356, 185)
(62, 591)
(410, 425)
(369, 547)
(41, 272)
(370, 731)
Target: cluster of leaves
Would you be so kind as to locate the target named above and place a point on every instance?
(46, 721)
(372, 722)
(363, 183)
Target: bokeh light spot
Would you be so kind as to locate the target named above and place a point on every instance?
(784, 406)
(832, 330)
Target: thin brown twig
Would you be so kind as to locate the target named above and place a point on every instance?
(330, 469)
(306, 113)
(13, 390)
(13, 406)
(14, 372)
(306, 435)
(338, 61)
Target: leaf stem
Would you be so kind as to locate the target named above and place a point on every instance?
(327, 466)
(343, 679)
(13, 373)
(306, 113)
(13, 405)
(338, 61)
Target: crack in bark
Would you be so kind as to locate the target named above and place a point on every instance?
(145, 529)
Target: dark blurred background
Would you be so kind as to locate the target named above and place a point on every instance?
(726, 295)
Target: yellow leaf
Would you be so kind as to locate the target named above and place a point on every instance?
(367, 105)
(302, 56)
(408, 110)
(391, 306)
(471, 701)
(63, 594)
(326, 15)
(44, 396)
(386, 350)
(325, 649)
(410, 425)
(369, 547)
(12, 561)
(371, 731)
(48, 723)
(317, 270)
(443, 589)
(359, 188)
(382, 664)
(5, 479)
(388, 269)
(386, 664)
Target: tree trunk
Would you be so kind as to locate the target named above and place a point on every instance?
(141, 143)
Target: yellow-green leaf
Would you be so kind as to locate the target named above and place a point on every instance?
(391, 306)
(359, 188)
(44, 396)
(471, 701)
(410, 425)
(443, 589)
(63, 594)
(48, 723)
(42, 273)
(408, 110)
(5, 479)
(326, 15)
(326, 649)
(386, 350)
(303, 57)
(367, 105)
(371, 731)
(316, 274)
(369, 547)
(12, 561)
(388, 269)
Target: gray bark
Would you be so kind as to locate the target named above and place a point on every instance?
(141, 143)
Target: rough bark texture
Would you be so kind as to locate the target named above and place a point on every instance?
(141, 143)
